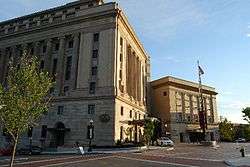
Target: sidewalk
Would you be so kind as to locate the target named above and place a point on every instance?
(243, 161)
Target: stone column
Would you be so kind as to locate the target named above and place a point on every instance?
(183, 106)
(75, 59)
(138, 79)
(211, 108)
(191, 108)
(61, 64)
(125, 67)
(48, 56)
(133, 75)
(140, 82)
(128, 73)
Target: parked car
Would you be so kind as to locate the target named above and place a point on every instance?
(26, 150)
(165, 141)
(240, 140)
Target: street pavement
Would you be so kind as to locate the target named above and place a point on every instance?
(184, 155)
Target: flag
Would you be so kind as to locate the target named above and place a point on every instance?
(200, 70)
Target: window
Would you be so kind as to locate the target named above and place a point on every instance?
(164, 93)
(60, 110)
(94, 70)
(70, 15)
(68, 68)
(122, 110)
(121, 41)
(54, 69)
(130, 114)
(44, 131)
(92, 87)
(179, 116)
(32, 50)
(44, 48)
(57, 18)
(121, 132)
(90, 5)
(51, 90)
(30, 131)
(65, 89)
(139, 116)
(120, 74)
(42, 65)
(96, 37)
(95, 53)
(56, 46)
(135, 115)
(196, 117)
(121, 57)
(11, 30)
(91, 109)
(5, 132)
(70, 44)
(188, 118)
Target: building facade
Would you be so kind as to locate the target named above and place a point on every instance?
(100, 68)
(176, 103)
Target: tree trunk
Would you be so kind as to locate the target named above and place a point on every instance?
(13, 152)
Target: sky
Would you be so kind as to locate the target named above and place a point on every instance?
(178, 33)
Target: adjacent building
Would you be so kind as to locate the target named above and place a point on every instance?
(176, 102)
(100, 67)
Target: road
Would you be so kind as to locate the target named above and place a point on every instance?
(184, 155)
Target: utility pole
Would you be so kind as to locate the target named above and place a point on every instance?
(202, 116)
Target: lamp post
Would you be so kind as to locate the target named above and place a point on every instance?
(90, 133)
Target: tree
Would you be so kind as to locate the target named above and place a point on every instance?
(246, 112)
(23, 99)
(226, 131)
(148, 130)
(151, 131)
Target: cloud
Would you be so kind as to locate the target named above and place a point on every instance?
(162, 21)
(166, 59)
(232, 109)
(248, 35)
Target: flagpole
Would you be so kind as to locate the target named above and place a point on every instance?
(201, 106)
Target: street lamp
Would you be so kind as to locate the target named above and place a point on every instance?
(90, 133)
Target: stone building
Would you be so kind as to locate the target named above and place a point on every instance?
(175, 101)
(100, 67)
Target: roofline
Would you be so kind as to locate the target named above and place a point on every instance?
(188, 83)
(47, 11)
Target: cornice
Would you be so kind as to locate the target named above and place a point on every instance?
(76, 20)
(48, 11)
(130, 103)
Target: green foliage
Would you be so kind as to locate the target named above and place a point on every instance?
(23, 99)
(151, 130)
(226, 131)
(247, 132)
(148, 130)
(246, 112)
